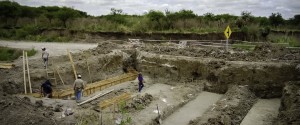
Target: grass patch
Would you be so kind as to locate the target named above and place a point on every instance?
(282, 39)
(31, 52)
(10, 54)
(248, 47)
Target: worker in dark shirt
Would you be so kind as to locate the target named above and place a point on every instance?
(141, 81)
(46, 89)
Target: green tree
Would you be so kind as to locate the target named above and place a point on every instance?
(209, 16)
(155, 19)
(64, 14)
(276, 19)
(115, 11)
(9, 10)
(245, 19)
(117, 16)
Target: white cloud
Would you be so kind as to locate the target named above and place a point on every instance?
(288, 8)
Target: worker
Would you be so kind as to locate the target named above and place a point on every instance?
(45, 56)
(141, 81)
(78, 88)
(46, 89)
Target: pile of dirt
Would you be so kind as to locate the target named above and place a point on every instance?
(262, 52)
(10, 86)
(229, 110)
(290, 105)
(139, 102)
(105, 47)
(20, 111)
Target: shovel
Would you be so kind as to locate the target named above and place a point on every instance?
(158, 120)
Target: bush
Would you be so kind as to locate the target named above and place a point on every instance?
(21, 34)
(31, 52)
(251, 32)
(9, 54)
(292, 41)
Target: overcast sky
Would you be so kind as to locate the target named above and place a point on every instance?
(288, 8)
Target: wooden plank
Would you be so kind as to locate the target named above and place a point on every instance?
(117, 99)
(72, 63)
(92, 88)
(88, 69)
(6, 65)
(95, 97)
(59, 76)
(28, 73)
(24, 72)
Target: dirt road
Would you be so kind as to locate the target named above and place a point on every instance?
(54, 49)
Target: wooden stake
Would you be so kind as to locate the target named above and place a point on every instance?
(114, 114)
(88, 69)
(101, 118)
(59, 76)
(30, 89)
(24, 72)
(73, 66)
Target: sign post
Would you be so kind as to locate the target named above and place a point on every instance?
(227, 33)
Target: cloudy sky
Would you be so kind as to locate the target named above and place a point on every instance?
(288, 8)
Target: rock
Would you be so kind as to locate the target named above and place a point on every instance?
(97, 109)
(48, 114)
(26, 99)
(68, 112)
(58, 108)
(39, 103)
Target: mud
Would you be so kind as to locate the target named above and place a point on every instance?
(289, 111)
(230, 109)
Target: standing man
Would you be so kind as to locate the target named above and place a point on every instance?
(78, 87)
(141, 81)
(45, 56)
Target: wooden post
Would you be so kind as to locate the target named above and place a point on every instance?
(28, 73)
(226, 45)
(114, 114)
(24, 72)
(59, 76)
(73, 66)
(88, 69)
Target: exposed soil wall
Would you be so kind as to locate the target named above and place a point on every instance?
(122, 35)
(265, 79)
(290, 101)
(230, 109)
(101, 65)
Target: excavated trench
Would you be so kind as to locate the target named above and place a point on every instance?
(241, 82)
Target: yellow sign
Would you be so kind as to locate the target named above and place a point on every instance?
(227, 32)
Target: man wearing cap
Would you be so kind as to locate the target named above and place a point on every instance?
(78, 87)
(45, 56)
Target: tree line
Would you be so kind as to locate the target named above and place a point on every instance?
(24, 22)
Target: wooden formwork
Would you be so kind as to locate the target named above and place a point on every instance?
(116, 100)
(97, 86)
(6, 65)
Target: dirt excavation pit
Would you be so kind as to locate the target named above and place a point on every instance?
(183, 85)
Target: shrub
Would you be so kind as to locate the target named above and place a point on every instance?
(31, 52)
(9, 54)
